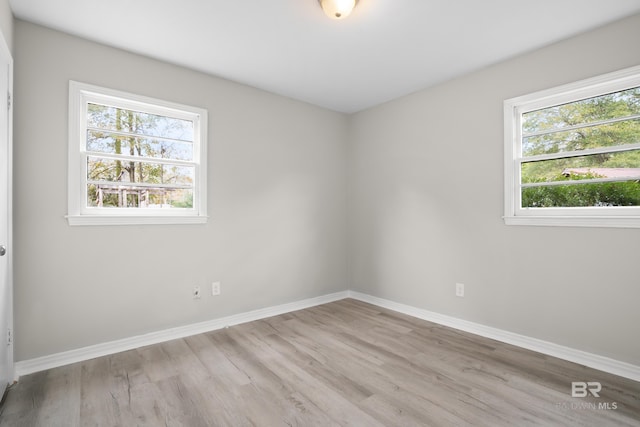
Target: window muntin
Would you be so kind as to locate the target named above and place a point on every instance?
(154, 147)
(133, 158)
(574, 152)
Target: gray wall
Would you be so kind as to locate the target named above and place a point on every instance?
(426, 199)
(276, 198)
(6, 23)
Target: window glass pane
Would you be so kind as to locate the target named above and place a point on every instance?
(607, 135)
(604, 107)
(576, 194)
(99, 169)
(608, 165)
(121, 120)
(105, 142)
(122, 196)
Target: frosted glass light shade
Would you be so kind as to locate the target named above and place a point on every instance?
(338, 9)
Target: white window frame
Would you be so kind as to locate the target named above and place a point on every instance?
(514, 108)
(80, 95)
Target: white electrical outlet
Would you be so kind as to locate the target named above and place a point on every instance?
(215, 288)
(459, 289)
(196, 292)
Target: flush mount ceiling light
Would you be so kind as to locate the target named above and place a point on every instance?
(338, 9)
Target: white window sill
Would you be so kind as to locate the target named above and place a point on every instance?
(134, 220)
(575, 221)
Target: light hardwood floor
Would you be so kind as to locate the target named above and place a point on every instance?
(345, 363)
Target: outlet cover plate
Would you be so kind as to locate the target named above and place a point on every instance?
(215, 288)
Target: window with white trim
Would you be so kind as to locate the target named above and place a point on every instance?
(134, 159)
(572, 154)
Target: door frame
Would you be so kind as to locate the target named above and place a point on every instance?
(6, 337)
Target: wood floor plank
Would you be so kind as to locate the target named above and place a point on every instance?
(62, 400)
(346, 363)
(215, 361)
(299, 379)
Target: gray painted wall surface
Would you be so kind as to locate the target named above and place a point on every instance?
(426, 200)
(276, 199)
(6, 23)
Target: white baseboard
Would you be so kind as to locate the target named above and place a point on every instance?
(594, 361)
(30, 366)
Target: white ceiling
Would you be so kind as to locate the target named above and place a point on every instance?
(385, 49)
